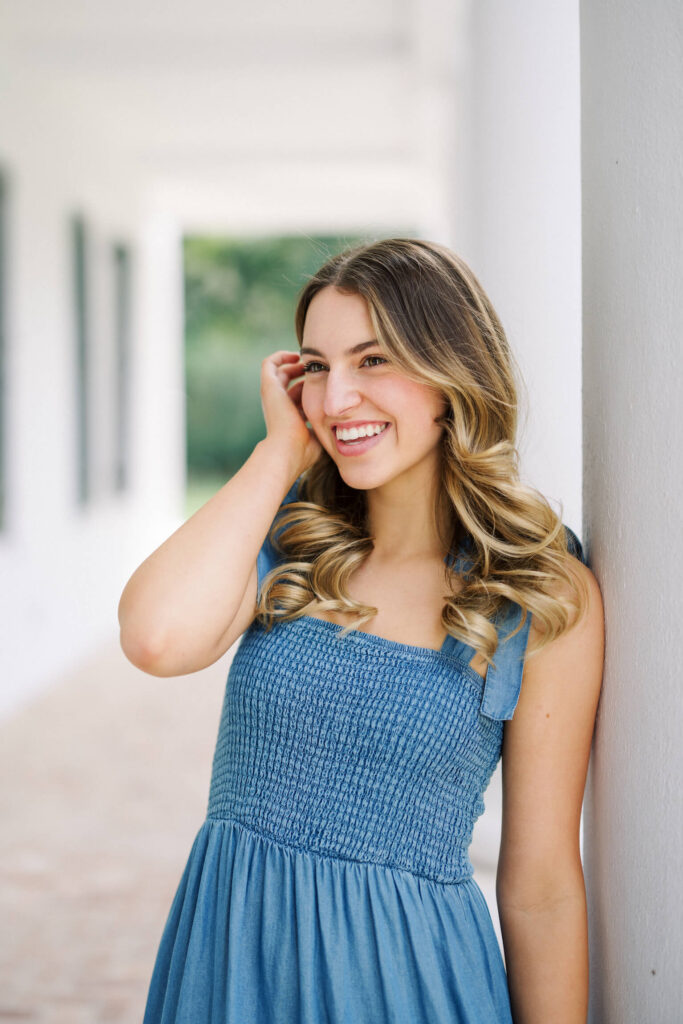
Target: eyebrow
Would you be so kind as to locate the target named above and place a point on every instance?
(349, 352)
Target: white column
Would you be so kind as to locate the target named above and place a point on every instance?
(517, 217)
(438, 33)
(632, 145)
(516, 220)
(158, 402)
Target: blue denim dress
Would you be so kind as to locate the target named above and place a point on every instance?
(330, 882)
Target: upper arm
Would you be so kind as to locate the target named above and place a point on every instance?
(546, 750)
(246, 613)
(265, 560)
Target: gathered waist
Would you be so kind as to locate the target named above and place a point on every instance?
(352, 844)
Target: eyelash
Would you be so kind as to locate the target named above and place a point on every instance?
(308, 366)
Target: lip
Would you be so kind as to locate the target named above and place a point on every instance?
(345, 448)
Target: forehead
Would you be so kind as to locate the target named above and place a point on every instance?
(334, 318)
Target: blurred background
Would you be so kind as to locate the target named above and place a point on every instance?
(169, 176)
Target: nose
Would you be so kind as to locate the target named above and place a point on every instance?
(340, 394)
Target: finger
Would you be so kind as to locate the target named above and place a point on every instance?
(295, 391)
(286, 379)
(277, 361)
(291, 369)
(283, 356)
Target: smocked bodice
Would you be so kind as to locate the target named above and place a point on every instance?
(357, 747)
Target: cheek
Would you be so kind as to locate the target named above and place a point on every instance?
(311, 402)
(306, 403)
(420, 406)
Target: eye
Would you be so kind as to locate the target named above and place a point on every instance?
(308, 366)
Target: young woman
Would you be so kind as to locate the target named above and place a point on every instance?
(409, 610)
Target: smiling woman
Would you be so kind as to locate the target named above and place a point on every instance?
(351, 388)
(331, 880)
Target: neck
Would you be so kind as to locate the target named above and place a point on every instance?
(402, 516)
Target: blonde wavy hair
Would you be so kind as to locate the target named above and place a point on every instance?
(437, 325)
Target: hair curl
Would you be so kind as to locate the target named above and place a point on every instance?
(438, 326)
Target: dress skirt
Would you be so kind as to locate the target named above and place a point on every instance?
(263, 933)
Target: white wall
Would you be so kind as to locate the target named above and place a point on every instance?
(517, 218)
(60, 563)
(632, 140)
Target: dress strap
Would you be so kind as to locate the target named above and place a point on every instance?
(504, 677)
(574, 545)
(503, 682)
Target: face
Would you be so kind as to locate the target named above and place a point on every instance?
(345, 389)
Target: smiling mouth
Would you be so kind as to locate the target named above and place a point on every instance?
(359, 445)
(377, 428)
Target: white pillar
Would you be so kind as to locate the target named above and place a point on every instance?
(517, 211)
(518, 216)
(159, 458)
(438, 32)
(632, 145)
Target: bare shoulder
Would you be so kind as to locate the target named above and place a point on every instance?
(566, 674)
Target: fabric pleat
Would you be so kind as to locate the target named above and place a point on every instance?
(259, 933)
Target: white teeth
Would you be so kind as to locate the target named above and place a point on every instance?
(356, 432)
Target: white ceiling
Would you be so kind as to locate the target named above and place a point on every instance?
(208, 80)
(205, 98)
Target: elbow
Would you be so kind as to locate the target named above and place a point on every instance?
(156, 655)
(542, 889)
(144, 652)
(141, 643)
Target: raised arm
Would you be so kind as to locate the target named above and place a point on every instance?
(540, 887)
(194, 595)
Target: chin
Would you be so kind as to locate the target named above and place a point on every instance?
(366, 478)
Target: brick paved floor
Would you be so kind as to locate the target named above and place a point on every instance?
(104, 785)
